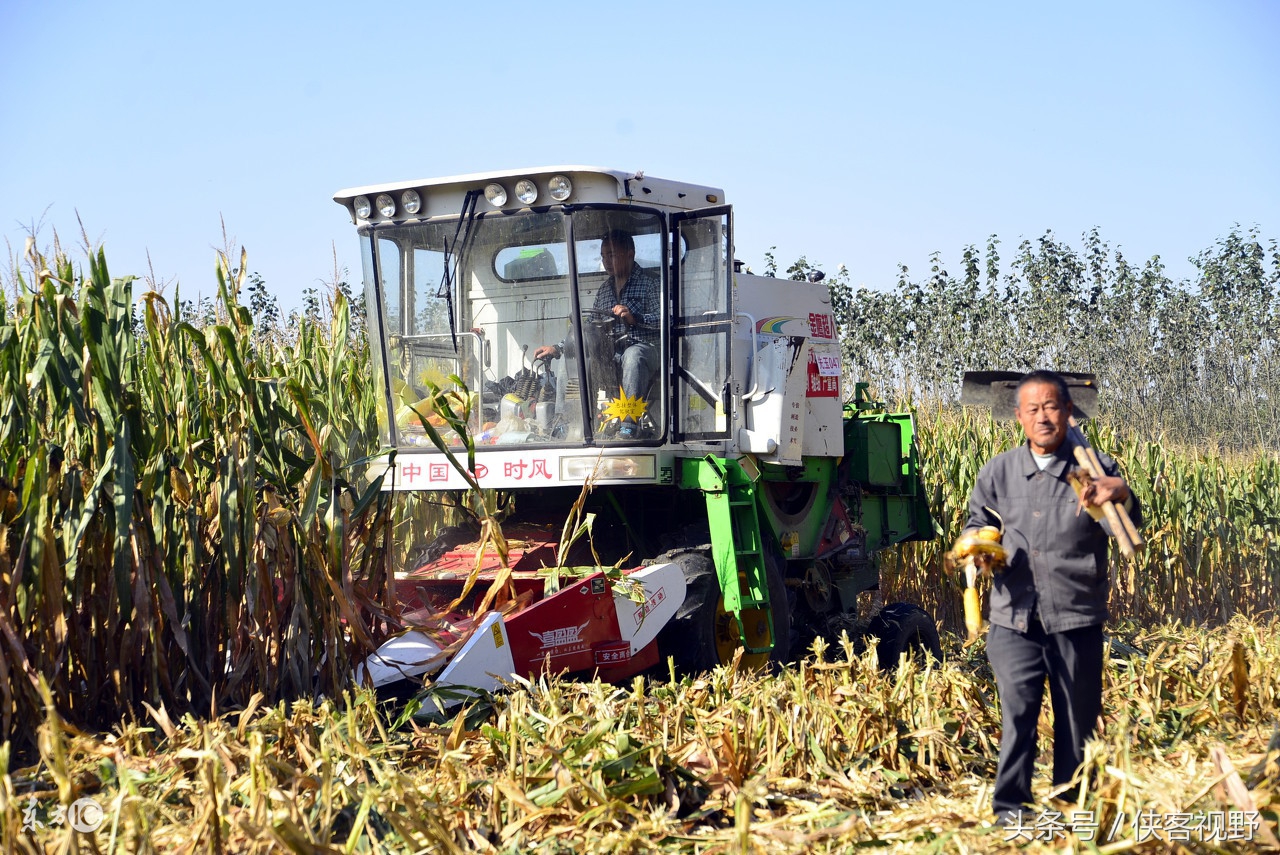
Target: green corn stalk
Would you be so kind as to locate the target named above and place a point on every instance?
(181, 521)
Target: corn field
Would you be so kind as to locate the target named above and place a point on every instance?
(193, 551)
(1212, 550)
(184, 515)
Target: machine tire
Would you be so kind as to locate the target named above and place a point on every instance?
(691, 639)
(904, 628)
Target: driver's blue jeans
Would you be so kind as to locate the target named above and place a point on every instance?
(639, 365)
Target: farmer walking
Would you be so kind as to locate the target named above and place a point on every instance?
(1049, 601)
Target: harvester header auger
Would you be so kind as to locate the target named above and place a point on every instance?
(593, 324)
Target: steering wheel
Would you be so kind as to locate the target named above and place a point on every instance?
(601, 323)
(598, 317)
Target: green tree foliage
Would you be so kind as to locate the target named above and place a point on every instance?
(1197, 360)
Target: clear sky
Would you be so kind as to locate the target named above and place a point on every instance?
(866, 134)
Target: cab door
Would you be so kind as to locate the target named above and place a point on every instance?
(702, 331)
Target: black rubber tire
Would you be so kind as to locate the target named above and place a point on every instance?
(690, 637)
(904, 628)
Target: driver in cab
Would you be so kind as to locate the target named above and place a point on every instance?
(631, 296)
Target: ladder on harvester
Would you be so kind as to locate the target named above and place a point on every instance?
(737, 544)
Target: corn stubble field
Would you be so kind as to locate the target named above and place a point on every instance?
(191, 559)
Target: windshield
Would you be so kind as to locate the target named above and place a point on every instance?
(547, 357)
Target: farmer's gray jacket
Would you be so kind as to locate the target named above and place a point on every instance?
(1057, 561)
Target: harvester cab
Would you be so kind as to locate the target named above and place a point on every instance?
(595, 324)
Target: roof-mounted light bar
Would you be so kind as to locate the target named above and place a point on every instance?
(526, 192)
(510, 190)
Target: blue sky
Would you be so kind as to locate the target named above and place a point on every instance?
(866, 134)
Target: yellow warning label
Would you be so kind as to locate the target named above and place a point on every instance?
(625, 407)
(497, 635)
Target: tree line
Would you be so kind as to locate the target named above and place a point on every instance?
(1195, 361)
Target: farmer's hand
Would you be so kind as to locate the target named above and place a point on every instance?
(1109, 488)
(624, 314)
(546, 351)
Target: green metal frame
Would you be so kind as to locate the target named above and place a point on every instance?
(737, 544)
(881, 451)
(881, 457)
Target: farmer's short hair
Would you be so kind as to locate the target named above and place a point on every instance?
(619, 239)
(1050, 377)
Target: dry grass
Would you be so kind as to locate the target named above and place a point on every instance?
(824, 756)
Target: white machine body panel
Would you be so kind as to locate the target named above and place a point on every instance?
(788, 373)
(409, 655)
(484, 661)
(532, 467)
(663, 587)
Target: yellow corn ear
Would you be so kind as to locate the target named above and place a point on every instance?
(972, 543)
(972, 612)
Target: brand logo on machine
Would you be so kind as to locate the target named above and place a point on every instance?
(561, 637)
(816, 325)
(776, 326)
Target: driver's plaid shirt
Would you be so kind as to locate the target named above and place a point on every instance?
(640, 295)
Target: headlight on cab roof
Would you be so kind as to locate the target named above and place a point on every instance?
(496, 194)
(559, 186)
(411, 202)
(363, 208)
(386, 205)
(526, 191)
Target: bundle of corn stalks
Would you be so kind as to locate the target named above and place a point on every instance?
(830, 755)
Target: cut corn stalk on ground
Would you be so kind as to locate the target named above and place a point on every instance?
(680, 765)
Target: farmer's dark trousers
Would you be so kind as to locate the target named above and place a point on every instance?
(1072, 661)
